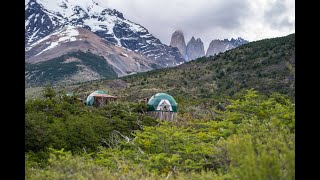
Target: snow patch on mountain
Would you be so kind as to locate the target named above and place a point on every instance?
(66, 35)
(124, 54)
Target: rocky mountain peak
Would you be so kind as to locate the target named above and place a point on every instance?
(114, 12)
(177, 40)
(216, 46)
(195, 49)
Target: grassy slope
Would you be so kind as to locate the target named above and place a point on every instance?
(266, 65)
(53, 71)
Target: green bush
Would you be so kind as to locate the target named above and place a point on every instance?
(61, 123)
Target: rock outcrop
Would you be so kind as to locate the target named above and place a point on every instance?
(216, 46)
(195, 49)
(177, 40)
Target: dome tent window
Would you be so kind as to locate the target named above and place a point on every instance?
(162, 106)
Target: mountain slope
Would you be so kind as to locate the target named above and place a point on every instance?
(71, 39)
(43, 17)
(267, 65)
(70, 68)
(68, 40)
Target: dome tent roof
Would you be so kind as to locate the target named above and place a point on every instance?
(90, 98)
(69, 94)
(162, 100)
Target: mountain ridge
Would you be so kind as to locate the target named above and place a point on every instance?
(195, 47)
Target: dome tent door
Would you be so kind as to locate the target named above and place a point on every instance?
(164, 105)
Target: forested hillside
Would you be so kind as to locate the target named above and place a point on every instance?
(267, 66)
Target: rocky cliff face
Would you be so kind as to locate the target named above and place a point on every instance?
(217, 46)
(195, 49)
(177, 40)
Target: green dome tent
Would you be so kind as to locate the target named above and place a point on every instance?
(162, 102)
(90, 98)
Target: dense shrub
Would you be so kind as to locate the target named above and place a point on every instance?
(253, 138)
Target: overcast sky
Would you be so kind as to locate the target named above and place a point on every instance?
(210, 19)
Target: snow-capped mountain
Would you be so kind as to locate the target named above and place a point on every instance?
(44, 17)
(71, 39)
(75, 54)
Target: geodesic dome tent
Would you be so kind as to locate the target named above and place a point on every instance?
(98, 98)
(162, 102)
(163, 106)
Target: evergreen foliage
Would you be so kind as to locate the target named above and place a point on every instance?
(253, 138)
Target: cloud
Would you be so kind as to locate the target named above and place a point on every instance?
(276, 15)
(225, 15)
(210, 19)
